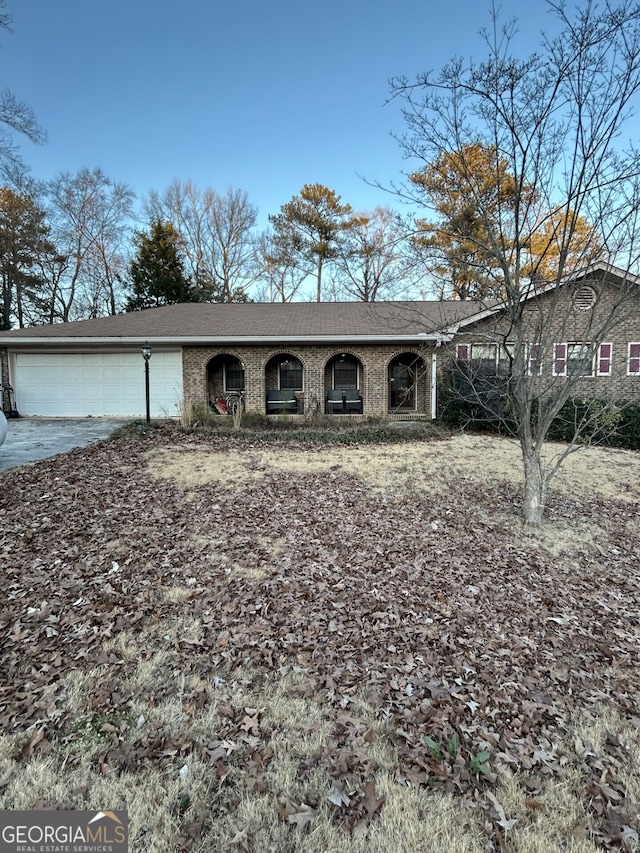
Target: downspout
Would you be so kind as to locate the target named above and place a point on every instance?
(434, 377)
(443, 337)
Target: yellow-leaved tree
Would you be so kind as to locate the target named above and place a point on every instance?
(468, 190)
(562, 238)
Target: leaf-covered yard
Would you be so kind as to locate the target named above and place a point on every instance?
(286, 646)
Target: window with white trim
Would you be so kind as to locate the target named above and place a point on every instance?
(577, 359)
(633, 361)
(485, 356)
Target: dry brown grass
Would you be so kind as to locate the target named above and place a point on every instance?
(438, 465)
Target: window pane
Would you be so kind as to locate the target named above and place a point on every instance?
(483, 358)
(505, 358)
(291, 374)
(233, 375)
(534, 359)
(579, 362)
(483, 352)
(345, 374)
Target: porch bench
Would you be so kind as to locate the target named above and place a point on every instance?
(335, 401)
(352, 401)
(344, 401)
(281, 401)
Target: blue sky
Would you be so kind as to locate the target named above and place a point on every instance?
(263, 97)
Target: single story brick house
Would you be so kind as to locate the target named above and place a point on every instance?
(379, 359)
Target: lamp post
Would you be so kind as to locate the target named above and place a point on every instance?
(146, 354)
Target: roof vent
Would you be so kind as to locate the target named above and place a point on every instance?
(585, 298)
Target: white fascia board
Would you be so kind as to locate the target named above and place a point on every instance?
(420, 337)
(69, 343)
(474, 318)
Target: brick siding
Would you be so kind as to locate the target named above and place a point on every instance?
(373, 375)
(572, 325)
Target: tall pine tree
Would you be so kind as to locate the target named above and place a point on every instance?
(311, 226)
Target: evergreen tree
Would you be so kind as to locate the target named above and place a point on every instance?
(311, 226)
(24, 247)
(156, 274)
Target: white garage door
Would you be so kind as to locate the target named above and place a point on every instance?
(77, 385)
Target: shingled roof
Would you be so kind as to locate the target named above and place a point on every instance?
(301, 322)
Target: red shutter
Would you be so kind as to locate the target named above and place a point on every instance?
(463, 352)
(534, 364)
(634, 359)
(604, 360)
(559, 359)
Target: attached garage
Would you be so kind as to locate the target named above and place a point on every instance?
(79, 384)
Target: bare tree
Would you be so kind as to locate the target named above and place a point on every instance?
(90, 218)
(372, 262)
(555, 120)
(278, 268)
(14, 117)
(217, 237)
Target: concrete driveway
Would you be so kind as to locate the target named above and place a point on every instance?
(30, 439)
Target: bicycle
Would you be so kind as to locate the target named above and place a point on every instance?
(230, 403)
(235, 402)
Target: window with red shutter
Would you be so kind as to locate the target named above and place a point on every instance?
(603, 366)
(535, 365)
(559, 359)
(633, 367)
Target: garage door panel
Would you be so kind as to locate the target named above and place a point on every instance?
(82, 384)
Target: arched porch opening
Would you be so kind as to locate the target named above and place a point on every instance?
(407, 380)
(343, 385)
(225, 376)
(284, 384)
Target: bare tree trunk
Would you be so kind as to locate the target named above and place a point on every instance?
(319, 280)
(536, 484)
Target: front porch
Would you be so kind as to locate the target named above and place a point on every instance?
(315, 381)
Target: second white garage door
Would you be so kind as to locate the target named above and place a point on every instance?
(98, 384)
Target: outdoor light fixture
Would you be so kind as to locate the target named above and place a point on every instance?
(146, 354)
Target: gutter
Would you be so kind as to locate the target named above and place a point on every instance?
(236, 340)
(434, 383)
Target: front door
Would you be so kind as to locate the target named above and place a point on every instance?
(402, 387)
